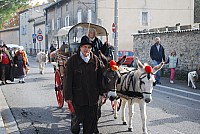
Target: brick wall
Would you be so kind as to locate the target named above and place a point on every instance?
(186, 43)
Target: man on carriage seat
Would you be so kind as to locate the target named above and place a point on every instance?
(82, 85)
(107, 49)
(96, 42)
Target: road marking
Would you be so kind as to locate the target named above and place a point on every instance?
(187, 98)
(176, 89)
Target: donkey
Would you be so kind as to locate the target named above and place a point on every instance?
(42, 59)
(135, 86)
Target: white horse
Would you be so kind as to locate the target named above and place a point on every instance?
(136, 87)
(42, 59)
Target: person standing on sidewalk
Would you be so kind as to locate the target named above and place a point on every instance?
(173, 62)
(81, 86)
(20, 63)
(157, 54)
(6, 63)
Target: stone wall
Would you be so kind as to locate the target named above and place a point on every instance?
(186, 43)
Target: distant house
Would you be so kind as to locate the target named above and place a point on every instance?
(32, 23)
(134, 15)
(10, 35)
(66, 13)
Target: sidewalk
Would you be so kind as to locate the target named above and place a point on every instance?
(8, 124)
(180, 84)
(2, 127)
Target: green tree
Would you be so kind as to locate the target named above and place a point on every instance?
(197, 11)
(9, 7)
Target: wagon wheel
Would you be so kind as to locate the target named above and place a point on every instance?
(58, 89)
(119, 101)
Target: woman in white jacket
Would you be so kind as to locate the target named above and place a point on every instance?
(173, 62)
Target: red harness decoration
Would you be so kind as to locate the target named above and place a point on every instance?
(113, 65)
(148, 69)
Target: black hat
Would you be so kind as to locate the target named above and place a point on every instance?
(85, 41)
(4, 45)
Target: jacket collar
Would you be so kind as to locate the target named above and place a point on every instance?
(80, 60)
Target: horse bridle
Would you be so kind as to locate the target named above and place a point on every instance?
(107, 80)
(142, 82)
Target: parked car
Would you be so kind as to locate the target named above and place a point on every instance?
(129, 57)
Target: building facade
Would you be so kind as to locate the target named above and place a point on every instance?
(134, 15)
(66, 13)
(6, 34)
(32, 20)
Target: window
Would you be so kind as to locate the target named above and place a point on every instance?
(52, 24)
(127, 53)
(79, 15)
(58, 23)
(89, 16)
(67, 7)
(145, 18)
(67, 21)
(120, 53)
(25, 30)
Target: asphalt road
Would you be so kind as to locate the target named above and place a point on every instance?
(35, 110)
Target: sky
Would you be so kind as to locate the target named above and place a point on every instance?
(40, 1)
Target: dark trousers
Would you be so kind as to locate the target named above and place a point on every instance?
(5, 68)
(87, 115)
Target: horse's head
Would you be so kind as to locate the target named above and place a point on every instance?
(145, 79)
(111, 75)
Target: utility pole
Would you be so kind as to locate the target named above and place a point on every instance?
(95, 10)
(116, 31)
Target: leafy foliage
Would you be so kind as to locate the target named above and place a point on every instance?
(8, 8)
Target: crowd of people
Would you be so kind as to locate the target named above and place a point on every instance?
(13, 64)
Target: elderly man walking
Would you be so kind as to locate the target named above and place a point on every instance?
(82, 85)
(157, 54)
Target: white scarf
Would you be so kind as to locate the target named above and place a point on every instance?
(86, 59)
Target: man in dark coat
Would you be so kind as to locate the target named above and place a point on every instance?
(157, 54)
(82, 85)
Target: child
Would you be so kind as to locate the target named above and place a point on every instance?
(173, 62)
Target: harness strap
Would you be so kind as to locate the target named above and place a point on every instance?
(130, 94)
(124, 81)
(142, 82)
(131, 81)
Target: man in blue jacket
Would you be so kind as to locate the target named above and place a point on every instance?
(157, 54)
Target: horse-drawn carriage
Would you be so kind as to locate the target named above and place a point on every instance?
(74, 35)
(132, 86)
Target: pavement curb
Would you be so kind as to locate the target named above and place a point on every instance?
(8, 124)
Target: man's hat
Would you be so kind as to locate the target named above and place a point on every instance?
(85, 41)
(4, 45)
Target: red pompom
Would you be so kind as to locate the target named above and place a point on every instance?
(112, 62)
(148, 69)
